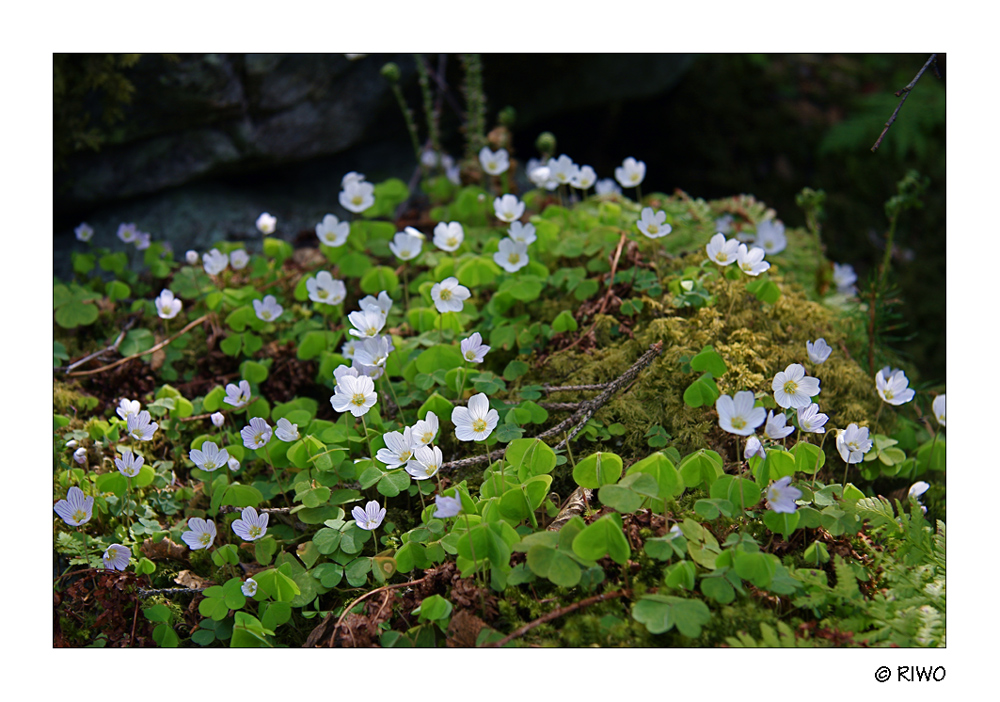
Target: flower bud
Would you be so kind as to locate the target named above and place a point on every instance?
(191, 257)
(218, 419)
(234, 465)
(80, 455)
(508, 116)
(546, 143)
(390, 72)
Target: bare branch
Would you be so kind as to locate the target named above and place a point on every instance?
(905, 92)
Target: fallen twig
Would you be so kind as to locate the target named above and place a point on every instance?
(905, 92)
(170, 591)
(111, 347)
(555, 614)
(348, 608)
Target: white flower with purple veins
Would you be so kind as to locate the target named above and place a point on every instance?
(473, 348)
(724, 224)
(425, 430)
(286, 431)
(342, 370)
(373, 351)
(511, 255)
(239, 259)
(792, 388)
(584, 178)
(80, 455)
(143, 240)
(167, 306)
(370, 517)
(781, 496)
(818, 350)
(449, 295)
(357, 196)
(653, 224)
(266, 223)
(268, 310)
(250, 526)
(523, 233)
(398, 449)
(234, 465)
(722, 250)
(256, 434)
(844, 277)
(737, 415)
(201, 535)
(354, 394)
(916, 490)
(475, 422)
(446, 507)
(352, 177)
(563, 169)
(139, 426)
(347, 350)
(381, 304)
(325, 289)
(771, 237)
(775, 428)
(811, 419)
(448, 236)
(405, 246)
(129, 464)
(494, 162)
(373, 372)
(427, 462)
(84, 232)
(116, 557)
(938, 408)
(332, 232)
(853, 443)
(127, 232)
(127, 407)
(508, 208)
(606, 186)
(754, 448)
(630, 173)
(366, 322)
(893, 389)
(191, 257)
(541, 176)
(249, 587)
(751, 261)
(209, 457)
(76, 509)
(215, 262)
(237, 395)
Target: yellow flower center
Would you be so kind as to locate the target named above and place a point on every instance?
(209, 465)
(721, 256)
(738, 422)
(405, 253)
(405, 456)
(358, 400)
(356, 200)
(428, 437)
(79, 515)
(204, 538)
(257, 439)
(451, 241)
(445, 294)
(888, 394)
(479, 425)
(322, 293)
(372, 331)
(469, 356)
(265, 314)
(491, 165)
(652, 229)
(254, 531)
(791, 387)
(514, 258)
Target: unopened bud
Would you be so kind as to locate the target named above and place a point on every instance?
(390, 72)
(546, 143)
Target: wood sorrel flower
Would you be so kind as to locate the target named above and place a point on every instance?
(370, 517)
(754, 448)
(192, 257)
(494, 163)
(373, 351)
(215, 262)
(266, 223)
(428, 460)
(268, 310)
(751, 261)
(524, 233)
(511, 255)
(84, 232)
(250, 526)
(286, 431)
(449, 295)
(167, 306)
(893, 388)
(76, 509)
(237, 395)
(653, 224)
(447, 506)
(332, 231)
(239, 259)
(737, 415)
(218, 419)
(792, 388)
(256, 434)
(818, 350)
(127, 232)
(405, 245)
(249, 587)
(209, 456)
(381, 304)
(201, 535)
(80, 455)
(562, 169)
(475, 422)
(366, 322)
(775, 428)
(129, 464)
(425, 430)
(357, 195)
(325, 289)
(853, 443)
(631, 173)
(448, 236)
(844, 277)
(127, 407)
(811, 419)
(606, 186)
(398, 449)
(116, 557)
(139, 426)
(722, 250)
(781, 496)
(771, 237)
(354, 394)
(508, 208)
(584, 178)
(473, 348)
(938, 408)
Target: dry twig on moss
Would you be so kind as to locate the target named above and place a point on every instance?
(905, 92)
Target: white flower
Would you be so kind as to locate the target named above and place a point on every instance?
(127, 232)
(853, 443)
(429, 158)
(771, 237)
(76, 509)
(405, 246)
(524, 233)
(844, 277)
(508, 208)
(84, 232)
(167, 306)
(511, 255)
(722, 250)
(116, 557)
(584, 178)
(781, 496)
(256, 434)
(80, 455)
(370, 517)
(428, 462)
(724, 224)
(238, 259)
(129, 464)
(250, 526)
(382, 304)
(792, 388)
(356, 395)
(652, 224)
(425, 430)
(398, 449)
(367, 322)
(325, 289)
(215, 262)
(754, 448)
(249, 587)
(72, 443)
(811, 419)
(139, 426)
(447, 506)
(606, 186)
(448, 236)
(266, 223)
(332, 231)
(916, 490)
(127, 407)
(818, 350)
(210, 456)
(751, 261)
(238, 395)
(893, 390)
(351, 177)
(143, 240)
(286, 431)
(342, 370)
(357, 196)
(938, 408)
(775, 428)
(201, 535)
(541, 176)
(233, 464)
(737, 415)
(475, 422)
(630, 173)
(373, 351)
(473, 348)
(562, 169)
(347, 350)
(494, 163)
(267, 310)
(449, 295)
(191, 257)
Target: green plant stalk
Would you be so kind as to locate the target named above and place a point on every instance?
(503, 481)
(411, 125)
(461, 392)
(887, 257)
(433, 132)
(392, 394)
(364, 426)
(816, 467)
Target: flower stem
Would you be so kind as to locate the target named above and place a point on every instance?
(364, 426)
(503, 482)
(274, 472)
(821, 442)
